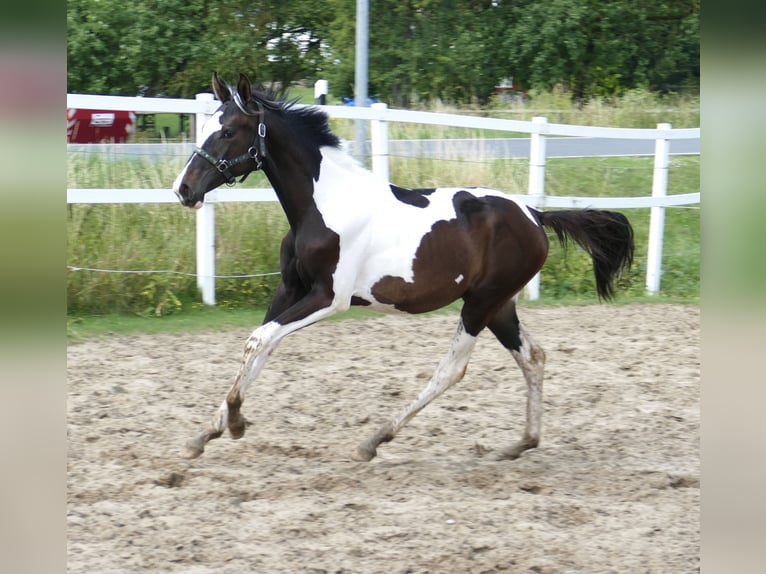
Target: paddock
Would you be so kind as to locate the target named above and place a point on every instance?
(613, 487)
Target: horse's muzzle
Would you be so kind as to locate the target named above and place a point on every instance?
(184, 196)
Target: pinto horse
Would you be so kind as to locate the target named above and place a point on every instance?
(355, 239)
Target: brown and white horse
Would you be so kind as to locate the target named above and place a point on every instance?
(357, 240)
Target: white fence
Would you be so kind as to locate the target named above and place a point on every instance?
(379, 115)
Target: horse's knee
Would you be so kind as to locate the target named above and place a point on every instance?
(261, 338)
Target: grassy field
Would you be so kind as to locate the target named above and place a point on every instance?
(162, 237)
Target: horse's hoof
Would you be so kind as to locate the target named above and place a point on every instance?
(364, 454)
(509, 454)
(193, 449)
(514, 451)
(237, 428)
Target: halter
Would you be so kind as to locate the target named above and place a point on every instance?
(256, 152)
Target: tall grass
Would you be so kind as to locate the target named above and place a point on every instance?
(160, 237)
(635, 109)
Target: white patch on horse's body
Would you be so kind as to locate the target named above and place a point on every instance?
(459, 278)
(361, 209)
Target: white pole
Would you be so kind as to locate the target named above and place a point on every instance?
(379, 134)
(321, 87)
(205, 227)
(361, 74)
(657, 217)
(536, 182)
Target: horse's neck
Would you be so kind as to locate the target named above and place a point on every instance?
(344, 188)
(343, 176)
(295, 191)
(342, 160)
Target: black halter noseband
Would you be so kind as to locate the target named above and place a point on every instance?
(255, 152)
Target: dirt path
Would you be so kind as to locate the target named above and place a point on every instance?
(613, 487)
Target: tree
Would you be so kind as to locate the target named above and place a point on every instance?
(171, 47)
(419, 50)
(601, 48)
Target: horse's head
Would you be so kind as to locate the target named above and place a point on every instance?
(234, 144)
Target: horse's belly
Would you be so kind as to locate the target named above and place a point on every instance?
(410, 284)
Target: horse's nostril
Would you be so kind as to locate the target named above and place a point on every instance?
(182, 192)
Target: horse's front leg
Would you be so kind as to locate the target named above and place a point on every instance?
(258, 347)
(316, 305)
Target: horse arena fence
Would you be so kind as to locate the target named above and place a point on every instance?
(204, 105)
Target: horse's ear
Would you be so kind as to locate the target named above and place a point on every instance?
(220, 89)
(244, 88)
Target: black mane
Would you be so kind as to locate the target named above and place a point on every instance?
(309, 122)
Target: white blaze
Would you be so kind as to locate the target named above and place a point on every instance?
(212, 125)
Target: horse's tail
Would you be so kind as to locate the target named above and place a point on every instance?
(606, 236)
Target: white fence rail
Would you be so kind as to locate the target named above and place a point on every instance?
(539, 128)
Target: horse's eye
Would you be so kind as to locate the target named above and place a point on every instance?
(227, 134)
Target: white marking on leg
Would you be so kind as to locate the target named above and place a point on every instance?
(531, 359)
(450, 370)
(221, 420)
(258, 347)
(263, 341)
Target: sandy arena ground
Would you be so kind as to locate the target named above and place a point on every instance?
(613, 487)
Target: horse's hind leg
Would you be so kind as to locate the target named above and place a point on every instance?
(451, 369)
(530, 357)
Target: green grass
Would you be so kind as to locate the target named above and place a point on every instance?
(162, 236)
(217, 319)
(198, 319)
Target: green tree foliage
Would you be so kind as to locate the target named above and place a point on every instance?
(419, 50)
(171, 47)
(597, 48)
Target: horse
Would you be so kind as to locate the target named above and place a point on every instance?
(357, 240)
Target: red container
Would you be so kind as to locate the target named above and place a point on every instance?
(95, 126)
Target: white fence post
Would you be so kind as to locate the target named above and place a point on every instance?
(321, 87)
(379, 135)
(657, 217)
(205, 226)
(536, 182)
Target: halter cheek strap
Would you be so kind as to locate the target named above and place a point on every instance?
(256, 152)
